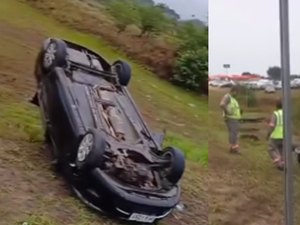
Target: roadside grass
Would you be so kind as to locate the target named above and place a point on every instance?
(240, 184)
(21, 121)
(192, 151)
(37, 220)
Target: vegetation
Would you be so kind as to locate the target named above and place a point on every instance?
(274, 72)
(190, 67)
(152, 34)
(153, 20)
(247, 96)
(125, 14)
(191, 70)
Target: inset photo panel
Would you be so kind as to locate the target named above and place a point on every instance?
(103, 112)
(254, 136)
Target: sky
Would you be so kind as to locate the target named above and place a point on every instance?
(187, 8)
(246, 35)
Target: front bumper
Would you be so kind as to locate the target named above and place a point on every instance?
(107, 195)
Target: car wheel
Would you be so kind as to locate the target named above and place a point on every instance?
(91, 149)
(123, 71)
(54, 54)
(176, 167)
(298, 158)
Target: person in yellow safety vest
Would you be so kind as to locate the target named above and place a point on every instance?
(232, 115)
(275, 136)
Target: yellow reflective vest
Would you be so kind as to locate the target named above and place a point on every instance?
(233, 108)
(278, 130)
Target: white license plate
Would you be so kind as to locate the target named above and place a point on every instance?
(142, 218)
(297, 150)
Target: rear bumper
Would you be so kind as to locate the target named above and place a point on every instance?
(107, 195)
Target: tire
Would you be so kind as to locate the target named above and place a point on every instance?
(123, 70)
(96, 153)
(298, 158)
(54, 54)
(177, 164)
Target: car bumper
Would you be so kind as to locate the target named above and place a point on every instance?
(103, 194)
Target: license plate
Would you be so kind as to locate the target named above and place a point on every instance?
(297, 150)
(142, 218)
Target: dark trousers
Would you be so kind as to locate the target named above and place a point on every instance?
(276, 148)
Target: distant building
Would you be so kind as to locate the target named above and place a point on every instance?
(236, 77)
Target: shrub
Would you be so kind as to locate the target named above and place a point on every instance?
(247, 96)
(153, 20)
(125, 13)
(191, 70)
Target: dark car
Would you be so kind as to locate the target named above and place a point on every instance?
(98, 137)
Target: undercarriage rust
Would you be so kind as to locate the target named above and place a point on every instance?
(123, 166)
(127, 166)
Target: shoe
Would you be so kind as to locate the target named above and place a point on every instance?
(235, 150)
(280, 167)
(34, 100)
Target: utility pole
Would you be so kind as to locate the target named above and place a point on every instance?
(285, 76)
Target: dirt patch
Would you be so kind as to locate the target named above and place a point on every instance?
(18, 49)
(27, 187)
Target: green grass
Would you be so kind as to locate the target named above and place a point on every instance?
(18, 120)
(161, 102)
(192, 151)
(240, 183)
(37, 220)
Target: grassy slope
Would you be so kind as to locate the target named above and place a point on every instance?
(163, 106)
(247, 189)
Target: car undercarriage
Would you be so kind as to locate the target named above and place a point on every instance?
(128, 165)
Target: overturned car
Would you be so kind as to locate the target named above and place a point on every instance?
(98, 137)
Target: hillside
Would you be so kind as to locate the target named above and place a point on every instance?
(196, 22)
(142, 33)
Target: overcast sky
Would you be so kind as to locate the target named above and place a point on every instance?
(245, 34)
(187, 8)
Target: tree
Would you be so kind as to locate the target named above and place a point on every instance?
(191, 70)
(125, 12)
(274, 72)
(192, 36)
(152, 20)
(246, 73)
(168, 11)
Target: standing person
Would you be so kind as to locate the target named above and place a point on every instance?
(275, 136)
(232, 115)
